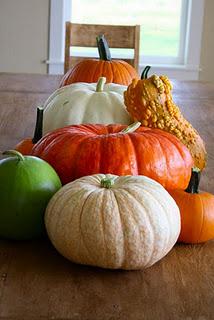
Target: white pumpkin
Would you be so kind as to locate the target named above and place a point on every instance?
(127, 222)
(85, 103)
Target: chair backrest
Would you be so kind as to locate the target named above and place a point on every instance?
(84, 35)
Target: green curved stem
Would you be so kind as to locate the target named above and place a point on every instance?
(193, 186)
(100, 84)
(144, 74)
(107, 182)
(132, 127)
(14, 153)
(103, 48)
(39, 124)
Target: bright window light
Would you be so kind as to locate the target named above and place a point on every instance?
(162, 22)
(171, 32)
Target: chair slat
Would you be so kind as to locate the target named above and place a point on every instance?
(117, 36)
(84, 35)
(74, 60)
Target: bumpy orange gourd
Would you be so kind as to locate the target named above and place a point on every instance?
(25, 146)
(197, 212)
(90, 70)
(150, 102)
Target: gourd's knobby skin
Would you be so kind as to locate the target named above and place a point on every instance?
(150, 101)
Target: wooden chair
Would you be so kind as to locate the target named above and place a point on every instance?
(84, 35)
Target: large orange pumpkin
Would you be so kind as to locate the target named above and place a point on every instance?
(80, 150)
(90, 70)
(197, 211)
(25, 146)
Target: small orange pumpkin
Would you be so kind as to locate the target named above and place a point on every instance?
(90, 70)
(197, 211)
(25, 146)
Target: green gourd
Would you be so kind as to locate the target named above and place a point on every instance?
(26, 185)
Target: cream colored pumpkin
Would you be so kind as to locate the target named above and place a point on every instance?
(85, 103)
(127, 222)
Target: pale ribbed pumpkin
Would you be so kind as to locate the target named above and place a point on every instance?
(85, 103)
(127, 222)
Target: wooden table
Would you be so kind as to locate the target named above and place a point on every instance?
(37, 283)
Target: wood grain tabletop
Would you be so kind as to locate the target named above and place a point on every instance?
(39, 284)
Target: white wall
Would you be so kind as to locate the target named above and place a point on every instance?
(207, 47)
(24, 35)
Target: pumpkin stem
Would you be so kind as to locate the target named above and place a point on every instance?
(39, 123)
(100, 84)
(14, 153)
(132, 127)
(107, 182)
(144, 74)
(194, 181)
(103, 48)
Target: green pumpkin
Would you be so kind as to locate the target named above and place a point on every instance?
(26, 185)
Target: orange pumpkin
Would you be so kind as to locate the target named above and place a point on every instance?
(80, 150)
(90, 70)
(25, 146)
(197, 211)
(150, 101)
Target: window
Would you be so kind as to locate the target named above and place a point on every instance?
(170, 30)
(161, 23)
